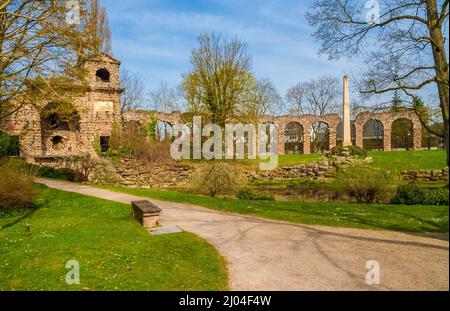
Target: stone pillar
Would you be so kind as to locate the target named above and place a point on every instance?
(306, 143)
(417, 138)
(359, 136)
(387, 138)
(347, 138)
(332, 136)
(281, 138)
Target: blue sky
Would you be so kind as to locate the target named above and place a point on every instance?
(155, 37)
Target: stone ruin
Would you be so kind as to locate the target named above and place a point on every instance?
(99, 109)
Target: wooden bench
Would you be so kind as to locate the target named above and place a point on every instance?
(146, 213)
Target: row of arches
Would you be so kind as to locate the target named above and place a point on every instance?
(373, 136)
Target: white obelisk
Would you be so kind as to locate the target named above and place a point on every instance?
(347, 139)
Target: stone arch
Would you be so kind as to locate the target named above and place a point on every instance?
(402, 134)
(320, 136)
(60, 117)
(373, 135)
(340, 133)
(164, 130)
(102, 75)
(294, 138)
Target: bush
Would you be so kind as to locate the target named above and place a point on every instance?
(365, 184)
(414, 195)
(247, 195)
(336, 150)
(357, 151)
(9, 145)
(438, 196)
(217, 178)
(408, 195)
(130, 139)
(16, 187)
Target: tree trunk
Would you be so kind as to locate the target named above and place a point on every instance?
(441, 66)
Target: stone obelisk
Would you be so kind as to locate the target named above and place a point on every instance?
(347, 139)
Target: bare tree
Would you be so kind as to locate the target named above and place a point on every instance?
(404, 44)
(317, 97)
(262, 99)
(36, 45)
(295, 98)
(97, 28)
(133, 90)
(220, 77)
(165, 99)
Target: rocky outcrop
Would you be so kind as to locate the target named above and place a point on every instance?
(426, 175)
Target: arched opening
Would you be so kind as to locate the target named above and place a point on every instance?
(60, 117)
(402, 134)
(294, 138)
(268, 146)
(340, 134)
(373, 135)
(320, 137)
(163, 131)
(102, 75)
(57, 143)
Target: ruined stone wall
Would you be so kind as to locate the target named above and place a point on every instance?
(98, 109)
(387, 119)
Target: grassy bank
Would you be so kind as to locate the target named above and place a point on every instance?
(367, 216)
(114, 251)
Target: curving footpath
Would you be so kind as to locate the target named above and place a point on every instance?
(272, 255)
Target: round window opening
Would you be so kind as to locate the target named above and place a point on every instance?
(57, 142)
(102, 75)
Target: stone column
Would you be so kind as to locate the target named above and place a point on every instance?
(281, 138)
(306, 142)
(387, 138)
(347, 139)
(332, 136)
(417, 138)
(359, 135)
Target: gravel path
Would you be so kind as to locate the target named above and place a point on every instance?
(272, 255)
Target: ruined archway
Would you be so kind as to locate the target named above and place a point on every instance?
(164, 130)
(402, 134)
(294, 138)
(340, 133)
(320, 137)
(102, 75)
(60, 117)
(373, 135)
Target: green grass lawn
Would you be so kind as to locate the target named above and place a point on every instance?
(368, 216)
(114, 251)
(397, 161)
(394, 161)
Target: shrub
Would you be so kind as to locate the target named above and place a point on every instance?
(438, 196)
(248, 195)
(412, 194)
(336, 150)
(409, 195)
(78, 168)
(9, 145)
(217, 178)
(16, 187)
(357, 151)
(130, 139)
(365, 184)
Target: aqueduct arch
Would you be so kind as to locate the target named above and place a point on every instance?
(387, 118)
